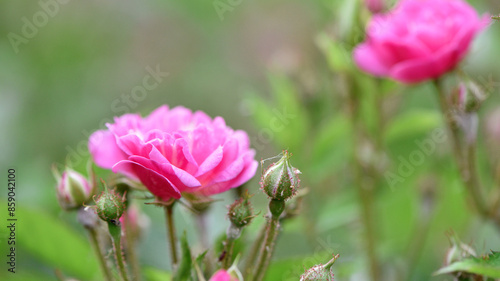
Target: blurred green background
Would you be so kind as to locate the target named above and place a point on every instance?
(82, 63)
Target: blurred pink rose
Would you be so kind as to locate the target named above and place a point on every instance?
(419, 39)
(222, 275)
(175, 150)
(375, 6)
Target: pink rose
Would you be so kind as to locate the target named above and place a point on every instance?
(175, 150)
(222, 275)
(419, 39)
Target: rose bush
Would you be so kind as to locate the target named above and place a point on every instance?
(419, 39)
(174, 151)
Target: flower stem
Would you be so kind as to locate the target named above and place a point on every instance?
(364, 182)
(172, 238)
(465, 156)
(233, 233)
(100, 257)
(267, 248)
(115, 231)
(367, 211)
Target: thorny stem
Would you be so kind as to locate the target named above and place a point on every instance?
(102, 261)
(276, 208)
(232, 234)
(228, 248)
(171, 234)
(267, 248)
(115, 231)
(366, 196)
(465, 156)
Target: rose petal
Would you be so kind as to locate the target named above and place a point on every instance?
(156, 183)
(104, 150)
(368, 60)
(210, 162)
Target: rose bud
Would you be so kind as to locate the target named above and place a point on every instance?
(281, 180)
(73, 189)
(321, 272)
(240, 212)
(109, 206)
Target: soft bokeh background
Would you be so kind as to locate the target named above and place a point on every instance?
(77, 71)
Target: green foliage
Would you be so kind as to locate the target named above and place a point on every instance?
(199, 259)
(186, 264)
(488, 266)
(40, 234)
(153, 274)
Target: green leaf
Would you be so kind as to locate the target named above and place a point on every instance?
(200, 257)
(488, 266)
(56, 244)
(153, 274)
(186, 264)
(198, 266)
